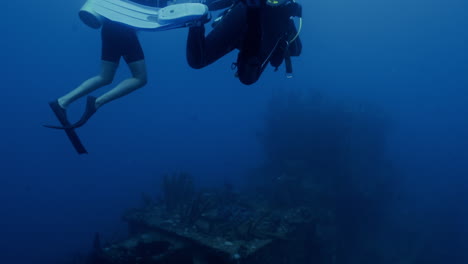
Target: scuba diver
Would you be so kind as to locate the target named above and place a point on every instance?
(262, 30)
(119, 40)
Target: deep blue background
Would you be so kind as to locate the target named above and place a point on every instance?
(408, 56)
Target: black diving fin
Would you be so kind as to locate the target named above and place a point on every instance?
(61, 115)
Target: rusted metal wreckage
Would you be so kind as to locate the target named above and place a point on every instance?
(215, 227)
(268, 237)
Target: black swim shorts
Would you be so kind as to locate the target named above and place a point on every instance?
(118, 41)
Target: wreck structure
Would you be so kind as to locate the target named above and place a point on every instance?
(217, 227)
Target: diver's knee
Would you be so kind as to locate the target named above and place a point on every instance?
(249, 73)
(248, 80)
(195, 64)
(195, 59)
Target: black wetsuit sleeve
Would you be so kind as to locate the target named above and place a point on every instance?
(225, 37)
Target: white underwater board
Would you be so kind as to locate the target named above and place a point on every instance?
(141, 16)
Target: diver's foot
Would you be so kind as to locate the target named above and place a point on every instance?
(89, 111)
(61, 115)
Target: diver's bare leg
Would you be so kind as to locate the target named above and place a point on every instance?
(106, 76)
(138, 80)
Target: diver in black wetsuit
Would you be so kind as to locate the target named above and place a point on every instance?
(262, 31)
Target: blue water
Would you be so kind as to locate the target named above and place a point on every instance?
(409, 57)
